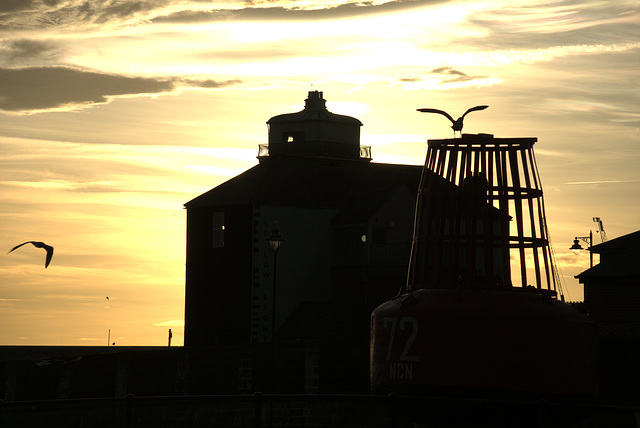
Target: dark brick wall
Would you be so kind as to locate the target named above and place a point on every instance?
(218, 280)
(293, 367)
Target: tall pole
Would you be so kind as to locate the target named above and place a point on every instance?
(273, 330)
(273, 298)
(590, 245)
(275, 239)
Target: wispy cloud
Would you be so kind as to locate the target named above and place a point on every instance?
(90, 187)
(25, 51)
(447, 77)
(602, 182)
(25, 14)
(171, 323)
(287, 10)
(207, 83)
(565, 21)
(29, 14)
(456, 75)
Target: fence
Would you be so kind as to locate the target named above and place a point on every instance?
(255, 410)
(301, 410)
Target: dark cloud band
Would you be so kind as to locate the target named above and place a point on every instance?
(31, 89)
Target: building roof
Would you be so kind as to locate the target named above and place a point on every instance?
(622, 255)
(622, 264)
(366, 202)
(624, 242)
(312, 183)
(315, 110)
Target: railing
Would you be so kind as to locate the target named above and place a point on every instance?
(251, 410)
(315, 148)
(302, 410)
(365, 152)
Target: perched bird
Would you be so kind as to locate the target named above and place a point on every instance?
(457, 124)
(48, 249)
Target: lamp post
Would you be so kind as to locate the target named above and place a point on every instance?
(576, 247)
(275, 239)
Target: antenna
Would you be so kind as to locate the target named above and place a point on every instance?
(603, 234)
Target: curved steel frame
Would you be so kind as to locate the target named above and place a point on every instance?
(473, 191)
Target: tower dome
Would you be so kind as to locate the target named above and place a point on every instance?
(315, 131)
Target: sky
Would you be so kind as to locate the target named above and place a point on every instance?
(113, 114)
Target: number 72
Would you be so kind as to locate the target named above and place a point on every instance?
(392, 322)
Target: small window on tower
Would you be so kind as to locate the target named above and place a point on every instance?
(218, 230)
(293, 137)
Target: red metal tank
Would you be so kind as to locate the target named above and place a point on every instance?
(479, 343)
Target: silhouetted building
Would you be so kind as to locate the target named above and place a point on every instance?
(347, 227)
(612, 298)
(612, 287)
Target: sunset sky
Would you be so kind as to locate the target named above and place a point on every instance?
(113, 114)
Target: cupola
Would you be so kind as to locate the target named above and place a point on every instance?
(315, 132)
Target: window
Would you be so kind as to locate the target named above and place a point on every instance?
(293, 137)
(218, 230)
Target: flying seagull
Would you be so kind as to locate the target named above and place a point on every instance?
(48, 249)
(457, 124)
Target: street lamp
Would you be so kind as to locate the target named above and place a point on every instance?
(576, 247)
(275, 240)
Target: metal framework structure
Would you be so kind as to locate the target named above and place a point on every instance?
(480, 213)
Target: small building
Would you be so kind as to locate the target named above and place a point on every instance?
(612, 287)
(347, 226)
(612, 298)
